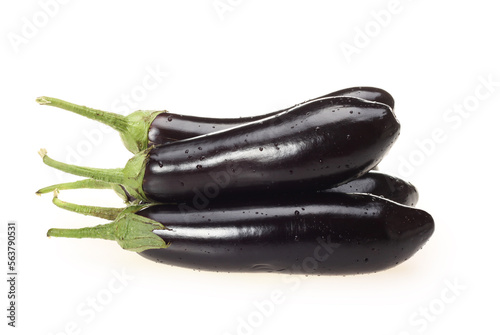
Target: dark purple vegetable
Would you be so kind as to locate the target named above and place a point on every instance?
(383, 185)
(168, 127)
(314, 146)
(373, 182)
(323, 233)
(143, 129)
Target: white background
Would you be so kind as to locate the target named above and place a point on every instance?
(250, 57)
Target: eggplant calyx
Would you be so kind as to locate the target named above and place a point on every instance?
(130, 177)
(133, 128)
(132, 232)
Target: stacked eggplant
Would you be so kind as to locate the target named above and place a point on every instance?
(292, 191)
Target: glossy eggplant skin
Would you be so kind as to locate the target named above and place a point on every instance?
(168, 127)
(324, 233)
(374, 183)
(314, 146)
(382, 185)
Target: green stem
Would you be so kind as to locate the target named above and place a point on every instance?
(132, 232)
(107, 175)
(90, 184)
(115, 121)
(130, 177)
(105, 232)
(133, 128)
(107, 213)
(85, 183)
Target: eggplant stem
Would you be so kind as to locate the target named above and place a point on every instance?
(126, 180)
(104, 232)
(89, 184)
(115, 121)
(133, 128)
(108, 175)
(79, 184)
(108, 213)
(132, 232)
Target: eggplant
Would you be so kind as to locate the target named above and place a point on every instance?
(382, 185)
(373, 182)
(143, 129)
(317, 145)
(321, 234)
(167, 127)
